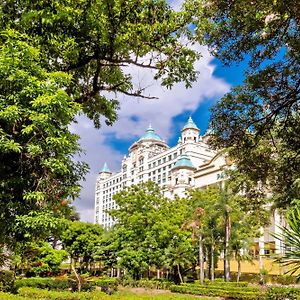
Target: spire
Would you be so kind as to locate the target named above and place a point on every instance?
(190, 124)
(105, 169)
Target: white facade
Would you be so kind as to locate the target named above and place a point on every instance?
(175, 169)
(189, 164)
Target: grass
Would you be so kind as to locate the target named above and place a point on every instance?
(124, 294)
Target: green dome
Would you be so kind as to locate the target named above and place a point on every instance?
(190, 125)
(183, 161)
(105, 169)
(151, 135)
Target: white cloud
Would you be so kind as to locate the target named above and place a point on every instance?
(135, 116)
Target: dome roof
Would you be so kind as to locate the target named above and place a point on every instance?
(151, 135)
(190, 125)
(105, 169)
(183, 161)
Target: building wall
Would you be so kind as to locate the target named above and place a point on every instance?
(150, 159)
(155, 160)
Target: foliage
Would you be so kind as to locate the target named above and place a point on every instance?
(126, 295)
(36, 147)
(40, 258)
(258, 122)
(60, 59)
(210, 290)
(233, 292)
(278, 293)
(7, 281)
(80, 240)
(65, 283)
(96, 41)
(290, 237)
(222, 212)
(146, 234)
(48, 283)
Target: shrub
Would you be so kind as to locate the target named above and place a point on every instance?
(7, 281)
(5, 296)
(55, 295)
(44, 283)
(280, 293)
(228, 293)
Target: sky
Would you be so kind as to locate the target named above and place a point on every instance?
(167, 115)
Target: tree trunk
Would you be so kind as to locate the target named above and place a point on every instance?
(212, 263)
(78, 279)
(226, 248)
(239, 268)
(201, 259)
(207, 260)
(261, 244)
(179, 274)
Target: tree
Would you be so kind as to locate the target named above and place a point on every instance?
(205, 219)
(81, 240)
(148, 230)
(290, 237)
(258, 122)
(38, 172)
(39, 258)
(60, 59)
(227, 224)
(95, 41)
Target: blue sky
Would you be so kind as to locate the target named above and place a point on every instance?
(167, 115)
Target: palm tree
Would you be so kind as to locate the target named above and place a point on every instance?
(290, 237)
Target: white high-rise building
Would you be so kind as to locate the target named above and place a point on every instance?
(191, 163)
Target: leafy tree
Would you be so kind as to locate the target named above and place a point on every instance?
(148, 232)
(205, 221)
(62, 58)
(225, 224)
(258, 122)
(95, 41)
(38, 172)
(39, 258)
(81, 240)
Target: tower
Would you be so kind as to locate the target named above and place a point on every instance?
(105, 172)
(190, 132)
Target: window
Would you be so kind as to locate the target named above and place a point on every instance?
(175, 155)
(159, 162)
(149, 166)
(170, 157)
(154, 164)
(164, 159)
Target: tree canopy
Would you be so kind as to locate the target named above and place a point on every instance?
(64, 58)
(258, 121)
(98, 41)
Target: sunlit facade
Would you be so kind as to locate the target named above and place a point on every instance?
(175, 169)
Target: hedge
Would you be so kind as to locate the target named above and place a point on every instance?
(207, 290)
(146, 283)
(34, 293)
(247, 293)
(7, 281)
(62, 284)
